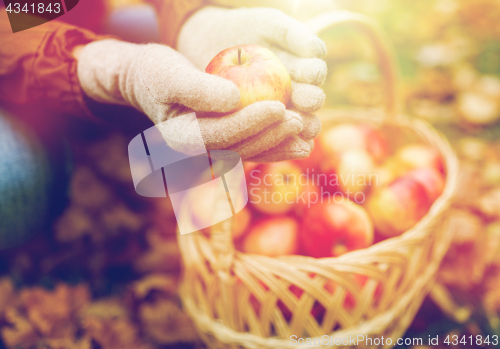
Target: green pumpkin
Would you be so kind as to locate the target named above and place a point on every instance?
(27, 182)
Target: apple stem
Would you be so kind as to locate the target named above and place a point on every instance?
(239, 55)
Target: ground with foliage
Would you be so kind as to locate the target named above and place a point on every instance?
(105, 274)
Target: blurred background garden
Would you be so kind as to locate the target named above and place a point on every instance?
(104, 274)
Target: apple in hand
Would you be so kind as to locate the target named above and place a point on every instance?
(431, 179)
(272, 237)
(275, 188)
(331, 229)
(398, 207)
(258, 73)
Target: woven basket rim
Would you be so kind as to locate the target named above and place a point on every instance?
(368, 327)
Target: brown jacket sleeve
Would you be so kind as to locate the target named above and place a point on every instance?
(37, 68)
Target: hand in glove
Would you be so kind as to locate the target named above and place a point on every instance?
(213, 29)
(163, 84)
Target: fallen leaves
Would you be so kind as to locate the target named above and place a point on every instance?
(66, 316)
(37, 314)
(114, 332)
(465, 262)
(53, 313)
(165, 322)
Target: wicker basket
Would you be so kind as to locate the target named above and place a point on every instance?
(221, 286)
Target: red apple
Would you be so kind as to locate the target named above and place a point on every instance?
(272, 237)
(202, 209)
(241, 222)
(327, 178)
(351, 172)
(431, 179)
(275, 188)
(310, 164)
(418, 155)
(310, 196)
(355, 171)
(249, 166)
(398, 207)
(257, 72)
(331, 228)
(376, 144)
(360, 137)
(342, 137)
(387, 173)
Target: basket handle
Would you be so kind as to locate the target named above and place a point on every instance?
(383, 49)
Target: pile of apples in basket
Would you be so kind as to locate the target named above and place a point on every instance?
(356, 188)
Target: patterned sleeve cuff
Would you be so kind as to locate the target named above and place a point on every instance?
(54, 69)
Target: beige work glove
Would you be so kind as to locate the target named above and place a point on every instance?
(213, 29)
(163, 84)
